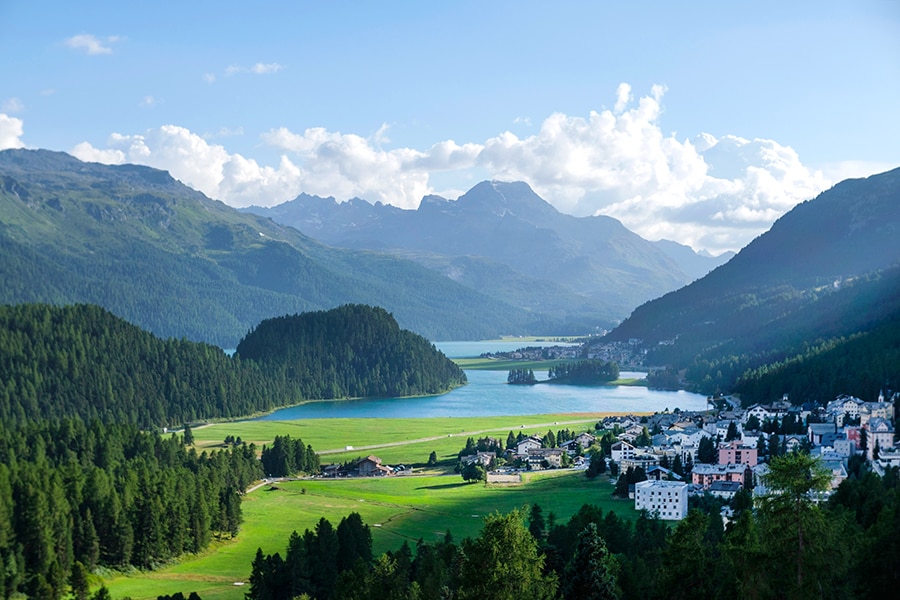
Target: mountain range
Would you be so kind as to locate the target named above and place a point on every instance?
(509, 243)
(165, 257)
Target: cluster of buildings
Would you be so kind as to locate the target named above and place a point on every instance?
(531, 454)
(370, 466)
(835, 432)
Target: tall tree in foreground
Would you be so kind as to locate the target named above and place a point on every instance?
(503, 562)
(593, 572)
(801, 541)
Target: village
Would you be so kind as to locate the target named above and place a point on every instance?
(662, 460)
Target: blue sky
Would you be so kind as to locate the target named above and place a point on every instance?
(695, 121)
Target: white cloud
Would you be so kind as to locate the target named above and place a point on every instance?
(199, 164)
(92, 44)
(12, 105)
(257, 69)
(11, 130)
(148, 102)
(623, 97)
(264, 68)
(209, 77)
(708, 192)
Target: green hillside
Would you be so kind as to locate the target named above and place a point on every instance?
(165, 257)
(826, 270)
(351, 351)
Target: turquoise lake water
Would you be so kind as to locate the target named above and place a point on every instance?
(488, 394)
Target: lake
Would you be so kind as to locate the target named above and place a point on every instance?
(488, 394)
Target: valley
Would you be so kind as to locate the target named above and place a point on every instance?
(156, 426)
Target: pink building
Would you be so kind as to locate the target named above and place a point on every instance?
(737, 453)
(705, 475)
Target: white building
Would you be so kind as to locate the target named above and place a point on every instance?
(621, 450)
(664, 499)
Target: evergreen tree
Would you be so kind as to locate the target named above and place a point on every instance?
(706, 451)
(503, 563)
(593, 572)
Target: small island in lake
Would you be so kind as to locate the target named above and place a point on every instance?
(584, 372)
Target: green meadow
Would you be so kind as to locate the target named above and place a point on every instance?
(398, 509)
(405, 507)
(395, 441)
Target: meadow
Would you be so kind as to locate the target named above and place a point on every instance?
(395, 441)
(400, 508)
(405, 507)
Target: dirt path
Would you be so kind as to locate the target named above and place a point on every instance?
(461, 434)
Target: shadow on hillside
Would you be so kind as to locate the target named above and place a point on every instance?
(443, 486)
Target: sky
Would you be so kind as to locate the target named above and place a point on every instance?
(699, 122)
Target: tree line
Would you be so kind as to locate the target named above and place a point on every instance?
(287, 456)
(81, 361)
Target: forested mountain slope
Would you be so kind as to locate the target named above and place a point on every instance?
(349, 351)
(165, 257)
(83, 362)
(828, 268)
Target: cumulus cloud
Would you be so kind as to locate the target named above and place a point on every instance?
(710, 193)
(199, 164)
(92, 44)
(714, 193)
(11, 130)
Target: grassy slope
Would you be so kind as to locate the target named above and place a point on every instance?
(406, 507)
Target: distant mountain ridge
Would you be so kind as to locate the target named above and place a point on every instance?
(829, 268)
(497, 231)
(165, 257)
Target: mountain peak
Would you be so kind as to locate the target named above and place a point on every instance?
(503, 198)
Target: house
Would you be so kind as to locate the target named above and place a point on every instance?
(664, 499)
(585, 439)
(371, 465)
(822, 434)
(529, 443)
(737, 453)
(689, 436)
(482, 458)
(659, 473)
(538, 456)
(704, 475)
(844, 446)
(643, 461)
(621, 450)
(881, 434)
(842, 408)
(719, 429)
(872, 410)
(725, 489)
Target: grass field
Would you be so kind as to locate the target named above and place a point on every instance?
(406, 507)
(395, 441)
(396, 508)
